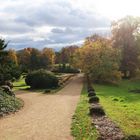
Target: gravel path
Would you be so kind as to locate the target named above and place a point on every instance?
(44, 117)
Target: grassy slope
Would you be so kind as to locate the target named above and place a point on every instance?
(121, 105)
(81, 126)
(20, 84)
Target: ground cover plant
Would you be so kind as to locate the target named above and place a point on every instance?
(9, 104)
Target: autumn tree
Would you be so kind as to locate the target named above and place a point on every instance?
(24, 59)
(47, 57)
(33, 59)
(66, 54)
(99, 60)
(12, 57)
(125, 36)
(57, 57)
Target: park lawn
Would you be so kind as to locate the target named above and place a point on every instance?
(82, 128)
(122, 106)
(20, 84)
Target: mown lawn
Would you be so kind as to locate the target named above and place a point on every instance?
(81, 125)
(121, 105)
(20, 84)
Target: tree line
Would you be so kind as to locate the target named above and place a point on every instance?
(14, 63)
(103, 59)
(110, 59)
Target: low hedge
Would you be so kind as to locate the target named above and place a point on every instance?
(41, 79)
(63, 68)
(94, 99)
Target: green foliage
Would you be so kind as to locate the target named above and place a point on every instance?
(93, 99)
(3, 45)
(82, 128)
(9, 72)
(121, 105)
(41, 79)
(9, 69)
(96, 110)
(9, 103)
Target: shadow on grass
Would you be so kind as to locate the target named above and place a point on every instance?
(122, 91)
(132, 137)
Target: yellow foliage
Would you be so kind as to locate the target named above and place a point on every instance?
(98, 59)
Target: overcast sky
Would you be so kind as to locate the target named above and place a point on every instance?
(58, 23)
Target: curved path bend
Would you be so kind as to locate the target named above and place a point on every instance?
(44, 117)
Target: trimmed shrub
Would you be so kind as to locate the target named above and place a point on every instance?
(90, 89)
(96, 110)
(89, 86)
(91, 93)
(41, 79)
(94, 99)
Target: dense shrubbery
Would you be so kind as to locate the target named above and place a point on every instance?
(8, 103)
(65, 69)
(41, 79)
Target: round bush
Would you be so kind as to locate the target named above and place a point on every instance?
(91, 93)
(91, 89)
(94, 99)
(41, 79)
(96, 110)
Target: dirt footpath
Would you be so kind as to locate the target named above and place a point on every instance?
(44, 117)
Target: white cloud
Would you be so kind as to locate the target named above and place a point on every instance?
(40, 23)
(113, 9)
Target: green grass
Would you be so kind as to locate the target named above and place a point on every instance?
(81, 125)
(121, 105)
(20, 84)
